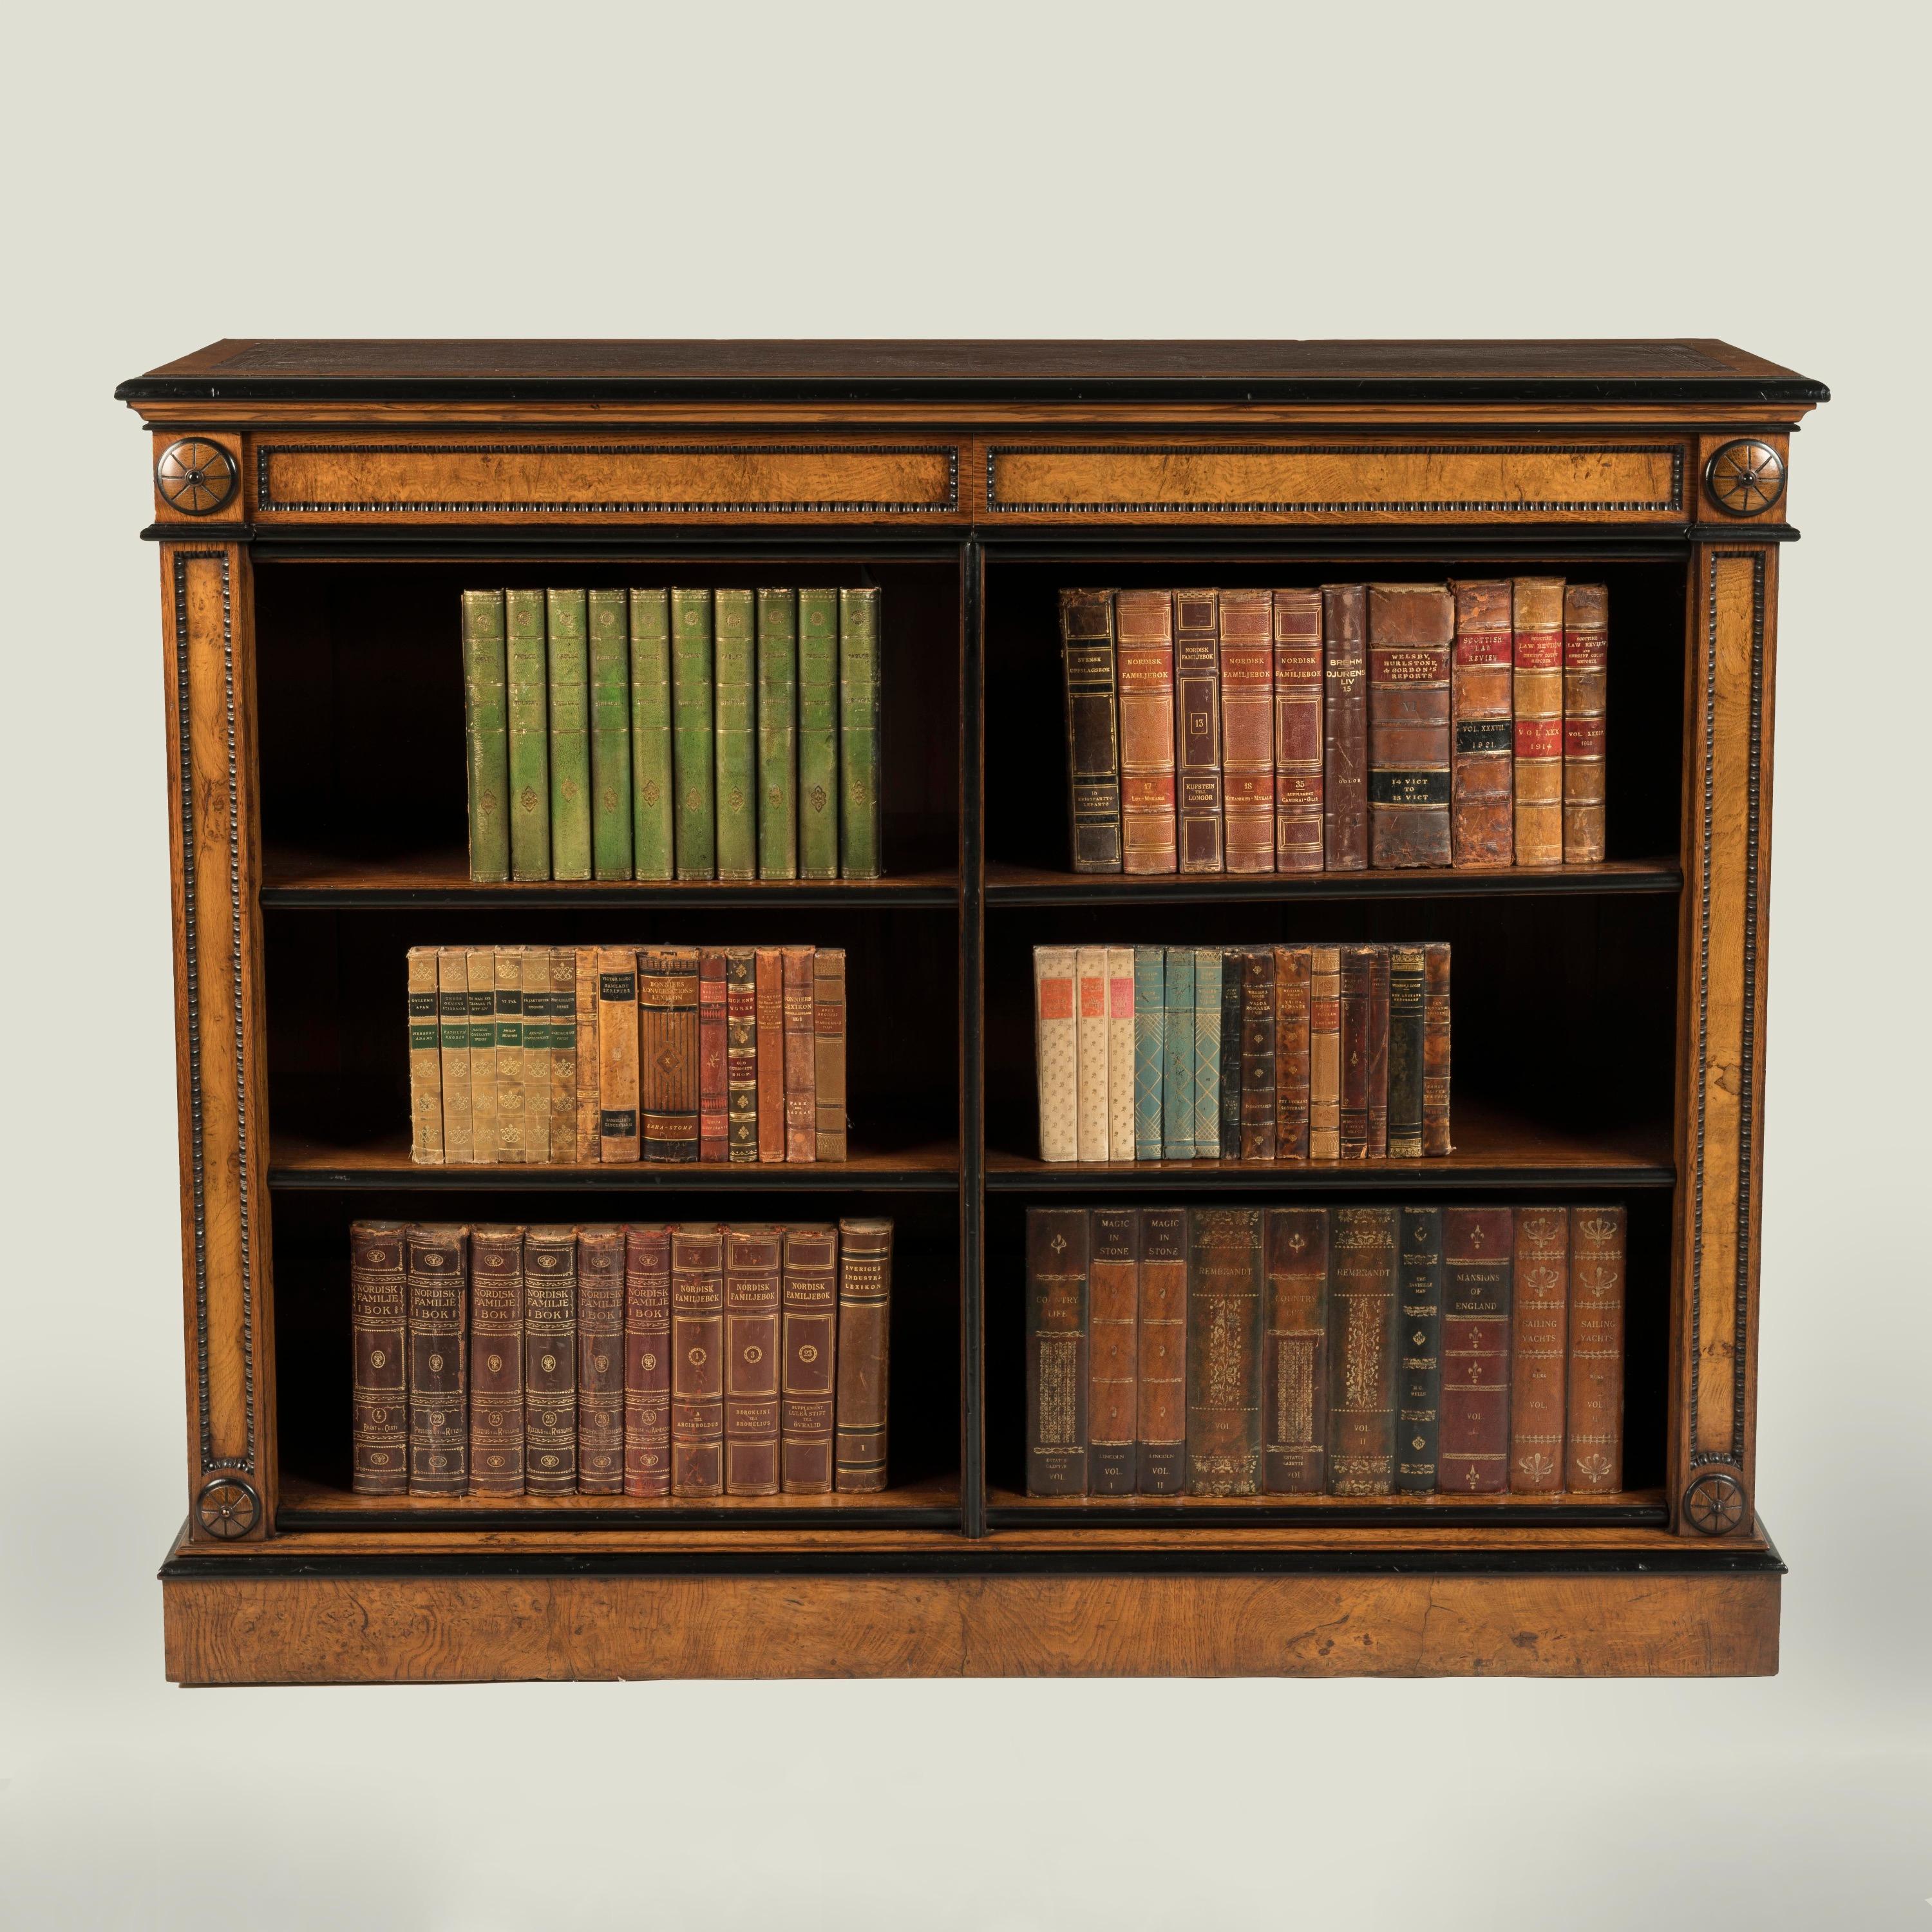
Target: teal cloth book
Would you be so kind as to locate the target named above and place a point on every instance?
(651, 787)
(485, 735)
(818, 734)
(777, 734)
(1176, 1099)
(610, 735)
(1149, 1045)
(530, 736)
(735, 673)
(691, 733)
(1206, 1053)
(569, 656)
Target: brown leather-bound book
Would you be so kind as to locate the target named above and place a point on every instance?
(1476, 1242)
(741, 1053)
(1364, 1310)
(668, 1051)
(1290, 1052)
(865, 1354)
(1539, 1357)
(828, 1037)
(713, 1134)
(1403, 1082)
(1256, 966)
(1483, 808)
(1093, 742)
(617, 1053)
(1345, 726)
(1197, 685)
(496, 1361)
(379, 1320)
(1295, 1351)
(600, 1361)
(698, 1359)
(801, 1054)
(549, 1361)
(1324, 1053)
(770, 975)
(589, 1138)
(1357, 971)
(1379, 1052)
(1538, 697)
(1297, 731)
(809, 1350)
(1057, 1385)
(1247, 729)
(1224, 1351)
(1586, 636)
(1144, 626)
(753, 1259)
(1113, 1314)
(1435, 1138)
(1412, 627)
(1594, 1461)
(647, 1360)
(1161, 1369)
(436, 1261)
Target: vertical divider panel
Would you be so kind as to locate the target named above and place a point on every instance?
(972, 1071)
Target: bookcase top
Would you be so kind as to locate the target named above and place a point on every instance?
(1688, 370)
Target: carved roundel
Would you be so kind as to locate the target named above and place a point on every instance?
(1744, 477)
(1714, 1505)
(227, 1507)
(196, 477)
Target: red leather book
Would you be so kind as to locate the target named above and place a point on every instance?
(1297, 731)
(1162, 1365)
(801, 1058)
(770, 973)
(379, 1322)
(1362, 1312)
(713, 1133)
(1539, 1359)
(1477, 1244)
(1586, 620)
(1412, 627)
(1538, 698)
(496, 1361)
(1197, 681)
(668, 1054)
(1247, 729)
(1436, 1138)
(1057, 1388)
(698, 1359)
(436, 1262)
(809, 1350)
(1481, 788)
(1290, 1052)
(1295, 1351)
(1324, 1053)
(1143, 641)
(600, 1361)
(549, 1361)
(1345, 726)
(1224, 1351)
(1378, 1052)
(1113, 1313)
(1358, 968)
(647, 1360)
(1594, 1461)
(864, 1354)
(828, 1039)
(741, 1054)
(1255, 965)
(753, 1262)
(1093, 740)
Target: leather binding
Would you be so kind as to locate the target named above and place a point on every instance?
(1418, 1394)
(1378, 1040)
(741, 1054)
(480, 974)
(865, 1355)
(1593, 1463)
(1113, 1311)
(549, 1361)
(653, 786)
(734, 746)
(647, 1360)
(808, 1350)
(713, 1134)
(1358, 967)
(1257, 1034)
(1206, 1053)
(777, 734)
(1436, 1140)
(828, 1047)
(1144, 643)
(436, 1262)
(1149, 1048)
(753, 1259)
(1586, 620)
(1538, 1364)
(529, 703)
(1482, 791)
(379, 1321)
(496, 1361)
(1120, 1064)
(1538, 694)
(1291, 1051)
(769, 975)
(600, 1361)
(1224, 1351)
(695, 836)
(667, 1052)
(512, 1144)
(1295, 1351)
(818, 734)
(1324, 1053)
(1091, 973)
(563, 1049)
(567, 663)
(698, 1359)
(1406, 1050)
(1364, 1310)
(1161, 1363)
(536, 1053)
(860, 754)
(452, 1009)
(425, 1058)
(1297, 731)
(610, 814)
(617, 1137)
(1345, 726)
(589, 1080)
(1247, 729)
(801, 1055)
(1057, 1051)
(1411, 629)
(1197, 686)
(1093, 750)
(1228, 1078)
(1476, 1298)
(1177, 1099)
(1057, 1388)
(486, 735)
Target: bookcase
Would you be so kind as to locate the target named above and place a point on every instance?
(320, 505)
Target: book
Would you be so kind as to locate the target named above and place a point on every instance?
(1476, 1298)
(1345, 726)
(1093, 746)
(1418, 1395)
(590, 1081)
(452, 1009)
(1594, 1458)
(1537, 687)
(1057, 1051)
(1358, 962)
(480, 975)
(753, 1260)
(1295, 1350)
(1057, 1384)
(1177, 1093)
(734, 744)
(861, 759)
(1483, 764)
(496, 1361)
(1149, 1048)
(1405, 1083)
(612, 818)
(436, 1265)
(486, 739)
(600, 1361)
(528, 697)
(653, 786)
(647, 1359)
(379, 1326)
(828, 1049)
(698, 1359)
(1362, 1314)
(801, 1057)
(769, 973)
(536, 1053)
(1436, 1140)
(1113, 1311)
(1144, 648)
(425, 1035)
(1379, 1045)
(1324, 1053)
(1247, 730)
(1292, 988)
(1224, 1351)
(1586, 608)
(807, 1349)
(617, 1136)
(712, 1132)
(1207, 977)
(1120, 1064)
(512, 1141)
(865, 1355)
(694, 829)
(563, 998)
(668, 1052)
(1090, 971)
(777, 734)
(818, 787)
(1197, 686)
(1227, 1078)
(568, 659)
(1297, 731)
(1257, 1112)
(549, 1361)
(741, 1053)
(1412, 627)
(1539, 1357)
(1160, 1372)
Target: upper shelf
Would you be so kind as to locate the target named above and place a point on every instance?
(1027, 885)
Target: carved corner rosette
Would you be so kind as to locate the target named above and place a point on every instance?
(1744, 477)
(1716, 1503)
(196, 477)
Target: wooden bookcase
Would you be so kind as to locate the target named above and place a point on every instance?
(318, 505)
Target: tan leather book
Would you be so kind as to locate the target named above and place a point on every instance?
(512, 1140)
(1539, 1357)
(865, 1354)
(1364, 1310)
(1411, 629)
(770, 974)
(1435, 1136)
(425, 1059)
(590, 1085)
(1297, 731)
(753, 1293)
(1113, 1274)
(1120, 1053)
(647, 1359)
(549, 1361)
(496, 1361)
(536, 1054)
(1482, 772)
(1586, 621)
(563, 1055)
(1292, 991)
(480, 972)
(1161, 1368)
(600, 1361)
(698, 1359)
(1593, 1463)
(1197, 683)
(378, 1321)
(828, 1046)
(1057, 1051)
(1295, 1350)
(801, 1058)
(1091, 968)
(1247, 729)
(436, 1262)
(1144, 643)
(1538, 691)
(1324, 1053)
(617, 1055)
(808, 1350)
(452, 1006)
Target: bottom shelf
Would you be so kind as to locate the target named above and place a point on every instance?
(1391, 1515)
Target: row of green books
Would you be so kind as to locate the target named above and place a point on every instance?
(662, 734)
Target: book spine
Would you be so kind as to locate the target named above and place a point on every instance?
(1418, 1395)
(777, 734)
(1538, 1371)
(496, 1361)
(1362, 1312)
(1224, 1351)
(1161, 1366)
(1586, 637)
(1207, 1053)
(1594, 1462)
(486, 741)
(1113, 1310)
(808, 1348)
(378, 1321)
(569, 672)
(1291, 1051)
(735, 741)
(1482, 788)
(1476, 1297)
(818, 786)
(698, 1360)
(741, 1053)
(1057, 1051)
(1177, 1099)
(480, 974)
(435, 1260)
(612, 817)
(590, 1083)
(1297, 731)
(617, 1137)
(600, 1361)
(452, 1009)
(563, 1048)
(752, 1291)
(828, 1052)
(1258, 1108)
(1197, 751)
(1345, 726)
(1406, 979)
(1247, 729)
(1229, 1078)
(768, 975)
(801, 1057)
(1093, 747)
(1295, 1351)
(668, 1052)
(529, 710)
(1144, 643)
(1412, 629)
(694, 827)
(1057, 1388)
(512, 1143)
(1120, 1053)
(1091, 967)
(1436, 1140)
(653, 789)
(549, 1361)
(1379, 1045)
(1538, 697)
(425, 1021)
(647, 1360)
(864, 1354)
(1324, 1053)
(1357, 964)
(713, 1131)
(1149, 1048)
(860, 757)
(536, 1054)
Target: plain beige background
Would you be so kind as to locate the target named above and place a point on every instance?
(176, 174)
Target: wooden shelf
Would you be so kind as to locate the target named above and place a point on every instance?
(1032, 886)
(1012, 1509)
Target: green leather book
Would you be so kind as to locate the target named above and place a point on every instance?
(818, 734)
(736, 681)
(859, 733)
(530, 734)
(777, 734)
(696, 841)
(651, 789)
(486, 735)
(569, 735)
(610, 735)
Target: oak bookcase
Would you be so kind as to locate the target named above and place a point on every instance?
(317, 507)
